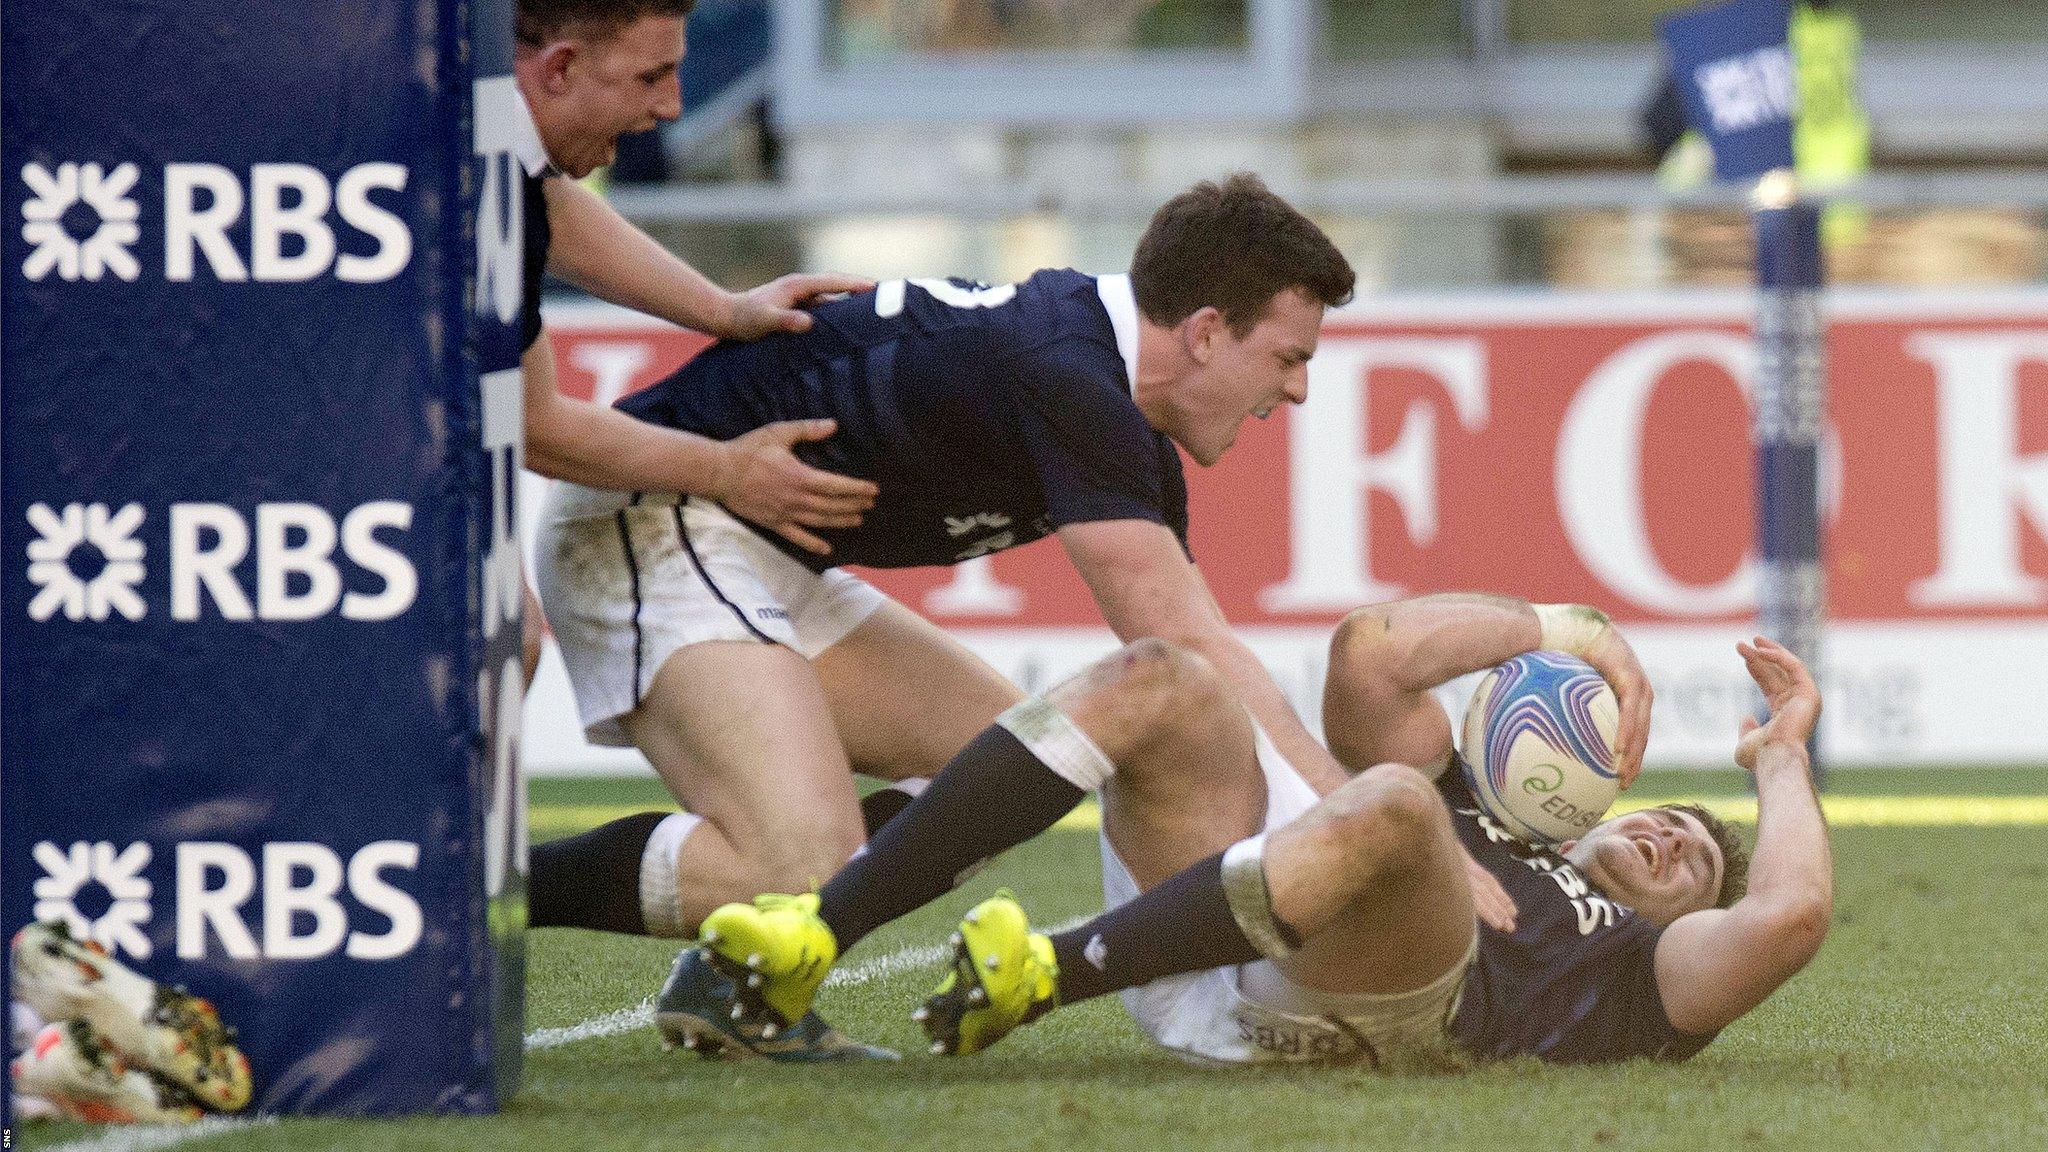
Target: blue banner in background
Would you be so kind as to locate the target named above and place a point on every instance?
(255, 719)
(1734, 68)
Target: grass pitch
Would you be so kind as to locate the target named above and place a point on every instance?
(1923, 1024)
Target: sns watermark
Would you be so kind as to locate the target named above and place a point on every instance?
(301, 224)
(90, 562)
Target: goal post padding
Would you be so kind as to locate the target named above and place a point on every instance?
(259, 686)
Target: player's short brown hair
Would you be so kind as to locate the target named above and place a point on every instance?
(1734, 857)
(541, 21)
(1233, 246)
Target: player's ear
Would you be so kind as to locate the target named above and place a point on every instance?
(1566, 847)
(1200, 331)
(554, 65)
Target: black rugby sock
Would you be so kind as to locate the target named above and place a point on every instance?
(881, 806)
(994, 795)
(1183, 925)
(591, 880)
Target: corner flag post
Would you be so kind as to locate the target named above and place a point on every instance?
(1737, 78)
(1786, 425)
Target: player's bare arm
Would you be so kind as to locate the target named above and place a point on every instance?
(757, 475)
(598, 250)
(1145, 586)
(1715, 965)
(1386, 658)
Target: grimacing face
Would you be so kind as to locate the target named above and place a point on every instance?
(1659, 861)
(1234, 378)
(624, 83)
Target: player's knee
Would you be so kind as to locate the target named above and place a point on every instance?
(1156, 684)
(1391, 808)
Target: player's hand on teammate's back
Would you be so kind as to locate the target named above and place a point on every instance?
(777, 306)
(760, 479)
(1793, 697)
(1617, 664)
(1489, 896)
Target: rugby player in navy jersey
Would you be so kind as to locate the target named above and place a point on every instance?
(588, 71)
(1258, 913)
(756, 677)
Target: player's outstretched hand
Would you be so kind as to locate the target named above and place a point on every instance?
(1616, 662)
(1489, 897)
(1793, 697)
(760, 479)
(777, 306)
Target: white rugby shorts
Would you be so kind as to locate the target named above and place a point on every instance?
(627, 580)
(1252, 1013)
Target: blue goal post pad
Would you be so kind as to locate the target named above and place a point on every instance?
(260, 686)
(1733, 66)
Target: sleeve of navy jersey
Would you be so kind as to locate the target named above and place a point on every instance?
(1576, 981)
(534, 225)
(1095, 456)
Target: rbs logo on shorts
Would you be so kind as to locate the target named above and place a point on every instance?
(290, 210)
(282, 903)
(87, 564)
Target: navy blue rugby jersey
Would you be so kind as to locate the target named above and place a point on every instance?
(535, 169)
(988, 416)
(1576, 981)
(534, 210)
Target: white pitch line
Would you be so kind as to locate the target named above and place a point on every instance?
(888, 964)
(641, 1015)
(597, 1027)
(154, 1137)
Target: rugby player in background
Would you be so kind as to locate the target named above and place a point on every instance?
(589, 71)
(1255, 916)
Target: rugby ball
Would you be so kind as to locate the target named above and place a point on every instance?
(1539, 746)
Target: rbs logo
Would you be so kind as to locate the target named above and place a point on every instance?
(86, 562)
(202, 201)
(209, 541)
(291, 211)
(282, 904)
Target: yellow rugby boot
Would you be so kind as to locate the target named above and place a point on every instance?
(1004, 976)
(776, 951)
(694, 1012)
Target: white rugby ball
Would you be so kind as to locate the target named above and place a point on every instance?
(1539, 746)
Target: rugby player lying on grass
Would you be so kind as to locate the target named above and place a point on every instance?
(1252, 919)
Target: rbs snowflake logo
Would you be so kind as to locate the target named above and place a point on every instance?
(54, 562)
(69, 874)
(53, 196)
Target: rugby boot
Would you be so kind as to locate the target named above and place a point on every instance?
(776, 951)
(1003, 976)
(164, 1030)
(72, 1069)
(695, 1010)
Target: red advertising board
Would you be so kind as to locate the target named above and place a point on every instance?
(1589, 448)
